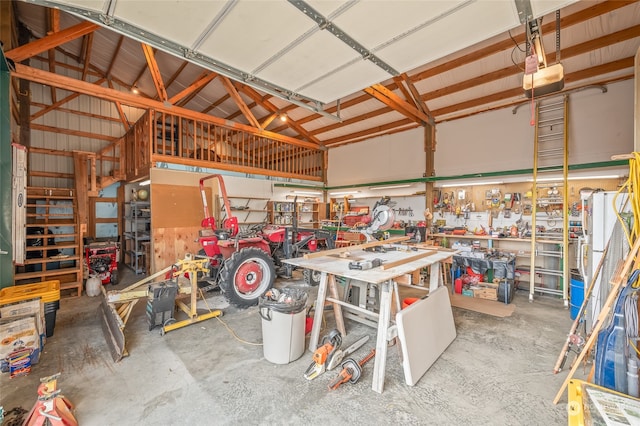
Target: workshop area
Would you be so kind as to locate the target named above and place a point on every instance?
(305, 212)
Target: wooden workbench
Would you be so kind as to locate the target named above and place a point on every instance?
(332, 265)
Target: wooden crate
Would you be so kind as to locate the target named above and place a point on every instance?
(487, 291)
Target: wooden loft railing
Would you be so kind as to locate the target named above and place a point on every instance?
(180, 140)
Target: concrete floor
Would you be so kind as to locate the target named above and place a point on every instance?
(498, 371)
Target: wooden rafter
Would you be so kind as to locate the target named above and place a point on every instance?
(216, 103)
(87, 55)
(82, 87)
(415, 95)
(392, 100)
(274, 109)
(155, 71)
(77, 112)
(268, 120)
(60, 102)
(175, 75)
(73, 132)
(43, 44)
(231, 90)
(202, 80)
(54, 27)
(123, 118)
(115, 56)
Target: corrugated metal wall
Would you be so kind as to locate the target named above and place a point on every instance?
(87, 121)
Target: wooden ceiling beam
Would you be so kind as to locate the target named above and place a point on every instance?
(43, 44)
(415, 95)
(565, 21)
(352, 120)
(54, 27)
(265, 123)
(116, 52)
(215, 104)
(393, 101)
(155, 71)
(203, 79)
(87, 55)
(78, 133)
(578, 49)
(518, 92)
(77, 112)
(368, 132)
(238, 100)
(82, 87)
(253, 94)
(123, 117)
(175, 75)
(60, 102)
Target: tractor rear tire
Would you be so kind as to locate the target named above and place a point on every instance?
(311, 277)
(246, 276)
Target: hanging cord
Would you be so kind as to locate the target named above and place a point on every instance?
(558, 36)
(630, 187)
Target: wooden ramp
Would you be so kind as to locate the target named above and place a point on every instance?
(488, 307)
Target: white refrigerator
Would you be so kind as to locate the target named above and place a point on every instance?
(598, 221)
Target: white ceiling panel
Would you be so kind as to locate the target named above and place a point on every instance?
(309, 60)
(253, 32)
(350, 79)
(94, 5)
(373, 23)
(327, 7)
(179, 21)
(469, 25)
(542, 7)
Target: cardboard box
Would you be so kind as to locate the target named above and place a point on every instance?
(17, 334)
(486, 291)
(32, 307)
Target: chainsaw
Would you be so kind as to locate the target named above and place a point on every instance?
(329, 345)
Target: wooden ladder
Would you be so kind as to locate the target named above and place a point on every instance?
(53, 241)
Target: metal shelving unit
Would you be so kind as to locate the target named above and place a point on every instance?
(136, 235)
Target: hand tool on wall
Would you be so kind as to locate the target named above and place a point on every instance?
(351, 371)
(336, 358)
(365, 264)
(330, 343)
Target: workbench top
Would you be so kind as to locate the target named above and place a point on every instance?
(335, 265)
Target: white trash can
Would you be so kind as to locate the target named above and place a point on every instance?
(283, 324)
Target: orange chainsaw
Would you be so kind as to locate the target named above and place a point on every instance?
(329, 345)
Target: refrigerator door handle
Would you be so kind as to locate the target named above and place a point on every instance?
(582, 248)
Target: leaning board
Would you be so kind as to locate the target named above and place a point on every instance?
(425, 330)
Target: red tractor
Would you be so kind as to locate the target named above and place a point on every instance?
(244, 263)
(241, 265)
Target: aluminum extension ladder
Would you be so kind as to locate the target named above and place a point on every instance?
(550, 201)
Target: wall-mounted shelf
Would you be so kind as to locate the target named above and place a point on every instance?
(309, 214)
(248, 210)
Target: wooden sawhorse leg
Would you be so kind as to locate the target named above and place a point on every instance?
(327, 281)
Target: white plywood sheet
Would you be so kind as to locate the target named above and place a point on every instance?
(425, 330)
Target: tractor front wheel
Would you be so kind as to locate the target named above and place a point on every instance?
(246, 276)
(311, 277)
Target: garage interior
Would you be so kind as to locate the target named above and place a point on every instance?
(450, 181)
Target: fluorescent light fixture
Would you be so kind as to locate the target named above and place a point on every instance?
(308, 192)
(390, 187)
(344, 193)
(144, 182)
(451, 185)
(559, 179)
